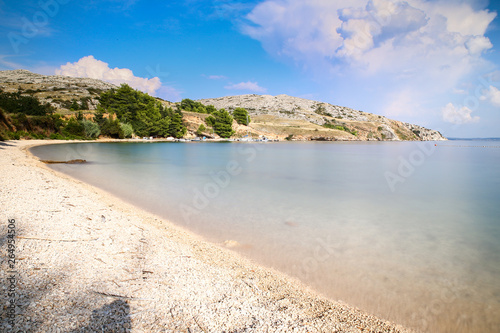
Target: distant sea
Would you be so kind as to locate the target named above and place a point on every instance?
(474, 139)
(408, 231)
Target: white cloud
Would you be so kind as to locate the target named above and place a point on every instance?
(438, 31)
(492, 95)
(96, 69)
(458, 116)
(216, 77)
(296, 28)
(477, 45)
(252, 86)
(462, 18)
(430, 47)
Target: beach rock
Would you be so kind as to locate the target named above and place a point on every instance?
(77, 161)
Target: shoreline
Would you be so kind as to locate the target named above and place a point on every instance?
(88, 260)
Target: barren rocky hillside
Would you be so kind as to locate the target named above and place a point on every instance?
(57, 90)
(305, 119)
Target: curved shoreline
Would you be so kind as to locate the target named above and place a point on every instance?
(88, 260)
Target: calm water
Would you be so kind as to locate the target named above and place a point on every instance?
(407, 231)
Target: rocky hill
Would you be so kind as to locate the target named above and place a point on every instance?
(59, 91)
(282, 115)
(275, 117)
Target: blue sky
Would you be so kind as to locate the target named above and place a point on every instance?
(433, 63)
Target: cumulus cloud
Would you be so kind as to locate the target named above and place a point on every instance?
(352, 30)
(458, 115)
(252, 86)
(96, 69)
(492, 95)
(430, 47)
(477, 45)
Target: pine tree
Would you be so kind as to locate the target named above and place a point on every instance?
(223, 125)
(241, 116)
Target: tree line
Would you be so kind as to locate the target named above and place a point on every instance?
(220, 120)
(121, 113)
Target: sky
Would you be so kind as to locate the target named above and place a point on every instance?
(434, 63)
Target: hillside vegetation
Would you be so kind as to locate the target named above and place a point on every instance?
(59, 107)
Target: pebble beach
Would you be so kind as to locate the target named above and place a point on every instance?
(82, 260)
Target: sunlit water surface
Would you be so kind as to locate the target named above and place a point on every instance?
(407, 231)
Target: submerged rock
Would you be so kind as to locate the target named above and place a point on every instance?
(64, 162)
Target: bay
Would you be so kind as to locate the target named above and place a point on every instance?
(408, 231)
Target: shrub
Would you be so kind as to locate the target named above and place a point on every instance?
(190, 105)
(210, 109)
(74, 129)
(112, 129)
(127, 130)
(200, 130)
(92, 130)
(341, 128)
(17, 103)
(56, 136)
(210, 121)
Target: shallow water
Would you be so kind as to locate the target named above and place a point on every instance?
(408, 231)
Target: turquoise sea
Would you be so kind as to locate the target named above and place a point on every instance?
(408, 231)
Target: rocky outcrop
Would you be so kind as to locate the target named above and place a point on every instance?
(425, 134)
(359, 125)
(57, 90)
(286, 107)
(22, 76)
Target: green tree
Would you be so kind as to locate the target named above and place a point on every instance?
(147, 115)
(210, 109)
(84, 103)
(210, 121)
(17, 103)
(187, 104)
(99, 115)
(74, 106)
(223, 123)
(176, 128)
(74, 129)
(193, 106)
(241, 116)
(112, 129)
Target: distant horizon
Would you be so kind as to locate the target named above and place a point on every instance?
(452, 138)
(263, 94)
